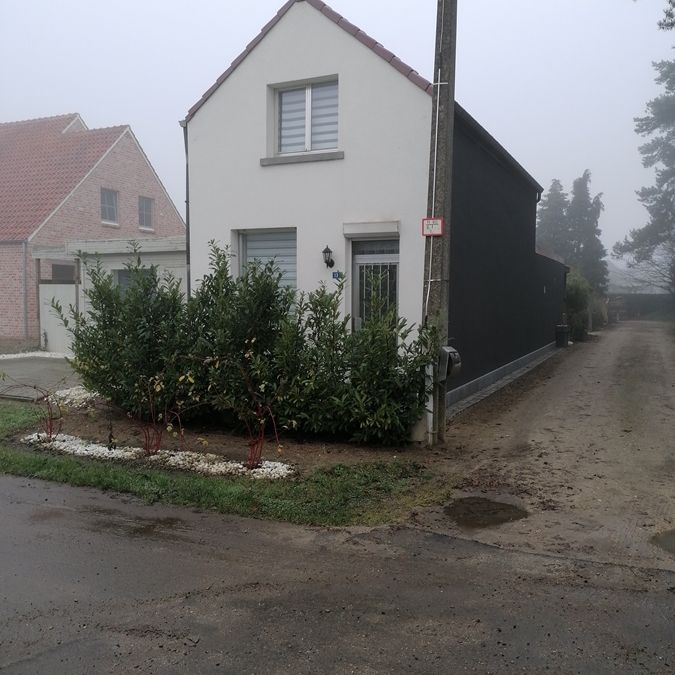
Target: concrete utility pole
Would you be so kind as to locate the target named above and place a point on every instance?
(437, 252)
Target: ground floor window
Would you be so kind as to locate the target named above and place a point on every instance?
(374, 277)
(265, 245)
(63, 273)
(123, 277)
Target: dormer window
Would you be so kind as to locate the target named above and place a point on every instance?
(308, 118)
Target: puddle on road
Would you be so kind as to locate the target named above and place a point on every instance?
(43, 515)
(143, 528)
(479, 512)
(665, 540)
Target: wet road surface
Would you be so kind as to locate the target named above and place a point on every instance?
(96, 583)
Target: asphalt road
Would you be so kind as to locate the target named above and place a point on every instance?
(96, 583)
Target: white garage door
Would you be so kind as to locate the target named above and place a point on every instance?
(277, 245)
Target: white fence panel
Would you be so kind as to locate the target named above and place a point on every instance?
(54, 336)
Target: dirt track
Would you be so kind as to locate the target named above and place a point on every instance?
(586, 444)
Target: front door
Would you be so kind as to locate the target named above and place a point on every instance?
(374, 278)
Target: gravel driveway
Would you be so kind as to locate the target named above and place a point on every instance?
(586, 445)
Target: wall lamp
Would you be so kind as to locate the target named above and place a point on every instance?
(328, 257)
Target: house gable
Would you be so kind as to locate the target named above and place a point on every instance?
(376, 174)
(52, 171)
(336, 18)
(123, 169)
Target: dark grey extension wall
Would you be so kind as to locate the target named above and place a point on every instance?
(505, 299)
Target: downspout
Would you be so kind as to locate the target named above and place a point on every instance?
(38, 276)
(24, 245)
(183, 124)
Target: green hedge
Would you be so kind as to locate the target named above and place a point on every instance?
(251, 352)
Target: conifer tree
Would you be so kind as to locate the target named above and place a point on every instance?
(552, 229)
(650, 250)
(668, 21)
(587, 253)
(569, 229)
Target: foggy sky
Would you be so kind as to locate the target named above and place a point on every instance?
(557, 82)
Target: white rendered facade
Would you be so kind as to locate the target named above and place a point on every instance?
(373, 185)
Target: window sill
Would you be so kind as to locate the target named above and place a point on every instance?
(110, 223)
(147, 229)
(301, 158)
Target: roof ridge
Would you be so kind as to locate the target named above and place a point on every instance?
(113, 127)
(41, 119)
(363, 37)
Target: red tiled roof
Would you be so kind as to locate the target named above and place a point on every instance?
(331, 14)
(40, 164)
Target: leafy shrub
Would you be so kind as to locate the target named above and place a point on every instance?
(598, 311)
(313, 353)
(367, 386)
(243, 322)
(577, 299)
(127, 346)
(250, 352)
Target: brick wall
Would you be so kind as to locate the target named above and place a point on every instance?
(11, 293)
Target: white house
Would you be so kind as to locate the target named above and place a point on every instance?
(316, 136)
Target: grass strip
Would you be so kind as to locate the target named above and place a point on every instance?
(339, 495)
(15, 417)
(370, 493)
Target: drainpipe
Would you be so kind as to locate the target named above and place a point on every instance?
(38, 276)
(183, 124)
(24, 246)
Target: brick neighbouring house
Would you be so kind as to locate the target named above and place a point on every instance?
(60, 181)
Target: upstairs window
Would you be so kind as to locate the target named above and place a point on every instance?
(145, 209)
(308, 118)
(108, 205)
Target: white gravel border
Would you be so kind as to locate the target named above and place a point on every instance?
(207, 463)
(75, 397)
(31, 355)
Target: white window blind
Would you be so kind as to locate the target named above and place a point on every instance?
(308, 118)
(292, 111)
(279, 246)
(145, 212)
(324, 115)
